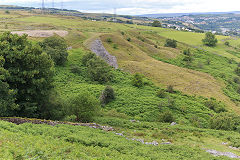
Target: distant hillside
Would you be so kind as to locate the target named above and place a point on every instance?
(182, 14)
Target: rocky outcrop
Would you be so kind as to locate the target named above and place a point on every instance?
(97, 47)
(18, 120)
(227, 154)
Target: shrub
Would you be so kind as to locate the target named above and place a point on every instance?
(88, 57)
(210, 40)
(238, 90)
(187, 52)
(56, 47)
(222, 121)
(208, 61)
(107, 95)
(167, 117)
(71, 118)
(156, 24)
(137, 80)
(171, 102)
(161, 93)
(109, 40)
(115, 46)
(129, 39)
(7, 12)
(170, 89)
(236, 80)
(237, 71)
(171, 43)
(215, 106)
(98, 70)
(75, 69)
(226, 43)
(84, 106)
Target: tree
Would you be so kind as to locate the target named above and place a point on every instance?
(156, 24)
(188, 57)
(30, 73)
(84, 106)
(56, 47)
(171, 43)
(210, 40)
(227, 43)
(98, 70)
(107, 95)
(7, 96)
(137, 80)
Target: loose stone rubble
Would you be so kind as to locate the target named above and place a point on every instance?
(227, 154)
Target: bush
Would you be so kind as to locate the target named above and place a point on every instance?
(215, 106)
(170, 89)
(129, 39)
(236, 80)
(156, 24)
(109, 40)
(84, 106)
(210, 40)
(115, 46)
(166, 117)
(171, 43)
(87, 57)
(222, 121)
(237, 71)
(107, 95)
(56, 47)
(137, 80)
(97, 69)
(226, 43)
(7, 12)
(71, 118)
(161, 93)
(76, 69)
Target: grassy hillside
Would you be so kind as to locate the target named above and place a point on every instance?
(29, 141)
(138, 49)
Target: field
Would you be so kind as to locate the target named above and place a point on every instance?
(135, 112)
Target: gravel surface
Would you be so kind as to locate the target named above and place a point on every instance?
(41, 33)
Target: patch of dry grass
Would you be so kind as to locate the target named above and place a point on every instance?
(133, 59)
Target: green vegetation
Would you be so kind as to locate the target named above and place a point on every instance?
(107, 95)
(74, 142)
(171, 43)
(138, 80)
(56, 47)
(27, 72)
(156, 24)
(210, 40)
(97, 69)
(84, 106)
(166, 76)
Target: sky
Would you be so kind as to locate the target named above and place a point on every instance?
(135, 7)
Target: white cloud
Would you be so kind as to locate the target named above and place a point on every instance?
(137, 6)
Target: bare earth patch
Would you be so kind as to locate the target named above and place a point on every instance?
(41, 33)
